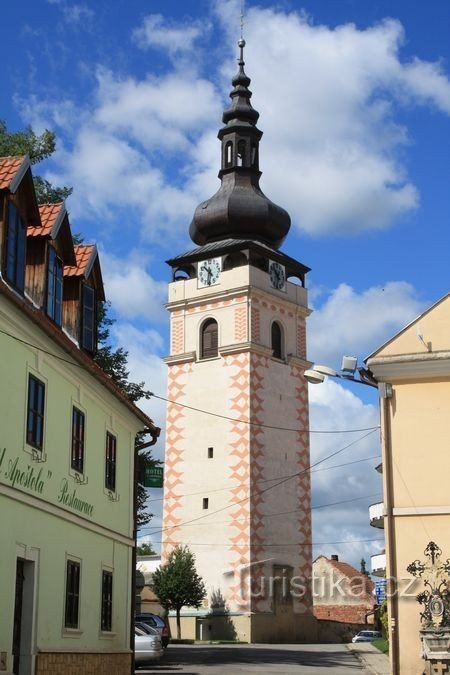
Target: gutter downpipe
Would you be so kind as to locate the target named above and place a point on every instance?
(154, 433)
(392, 555)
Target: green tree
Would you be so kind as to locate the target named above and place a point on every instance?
(37, 148)
(177, 584)
(113, 361)
(145, 549)
(363, 569)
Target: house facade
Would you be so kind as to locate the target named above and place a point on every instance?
(415, 364)
(67, 437)
(343, 599)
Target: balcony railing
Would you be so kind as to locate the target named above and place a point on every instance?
(378, 565)
(376, 515)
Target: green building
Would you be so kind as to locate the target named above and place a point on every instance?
(67, 437)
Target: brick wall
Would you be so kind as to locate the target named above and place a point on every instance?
(343, 613)
(83, 664)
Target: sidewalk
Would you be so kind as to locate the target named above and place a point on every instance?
(370, 657)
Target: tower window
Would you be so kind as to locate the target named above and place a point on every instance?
(277, 340)
(210, 453)
(205, 502)
(209, 339)
(254, 155)
(228, 154)
(241, 153)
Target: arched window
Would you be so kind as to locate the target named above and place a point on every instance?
(277, 341)
(228, 154)
(241, 153)
(209, 339)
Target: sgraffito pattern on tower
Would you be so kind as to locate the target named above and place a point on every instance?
(240, 324)
(239, 543)
(304, 488)
(258, 372)
(175, 448)
(177, 334)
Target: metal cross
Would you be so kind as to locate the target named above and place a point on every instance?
(436, 578)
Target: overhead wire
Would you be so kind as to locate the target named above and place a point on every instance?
(263, 491)
(200, 410)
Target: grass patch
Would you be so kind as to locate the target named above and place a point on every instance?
(382, 644)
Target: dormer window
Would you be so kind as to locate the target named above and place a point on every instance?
(15, 248)
(88, 319)
(54, 286)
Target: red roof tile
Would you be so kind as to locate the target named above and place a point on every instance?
(9, 166)
(48, 214)
(83, 255)
(352, 573)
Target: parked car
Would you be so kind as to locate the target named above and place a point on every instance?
(147, 646)
(366, 636)
(157, 622)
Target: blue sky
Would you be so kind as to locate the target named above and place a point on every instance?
(354, 102)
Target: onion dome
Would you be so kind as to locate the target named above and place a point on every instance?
(239, 209)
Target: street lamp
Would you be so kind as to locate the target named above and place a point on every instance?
(349, 370)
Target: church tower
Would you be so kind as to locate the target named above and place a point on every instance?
(237, 485)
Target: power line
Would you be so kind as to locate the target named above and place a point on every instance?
(266, 480)
(285, 513)
(204, 412)
(300, 543)
(258, 424)
(270, 487)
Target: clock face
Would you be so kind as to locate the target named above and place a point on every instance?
(208, 272)
(277, 276)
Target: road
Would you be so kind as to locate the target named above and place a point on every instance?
(259, 659)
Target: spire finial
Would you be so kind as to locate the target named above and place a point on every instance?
(241, 42)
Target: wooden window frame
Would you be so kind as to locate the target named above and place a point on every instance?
(54, 286)
(15, 248)
(35, 412)
(72, 594)
(88, 332)
(110, 461)
(209, 332)
(107, 602)
(78, 440)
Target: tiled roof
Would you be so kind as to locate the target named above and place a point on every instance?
(83, 255)
(9, 166)
(351, 573)
(49, 214)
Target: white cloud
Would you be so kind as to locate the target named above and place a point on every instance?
(132, 291)
(328, 98)
(352, 323)
(173, 37)
(145, 348)
(73, 13)
(333, 148)
(356, 484)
